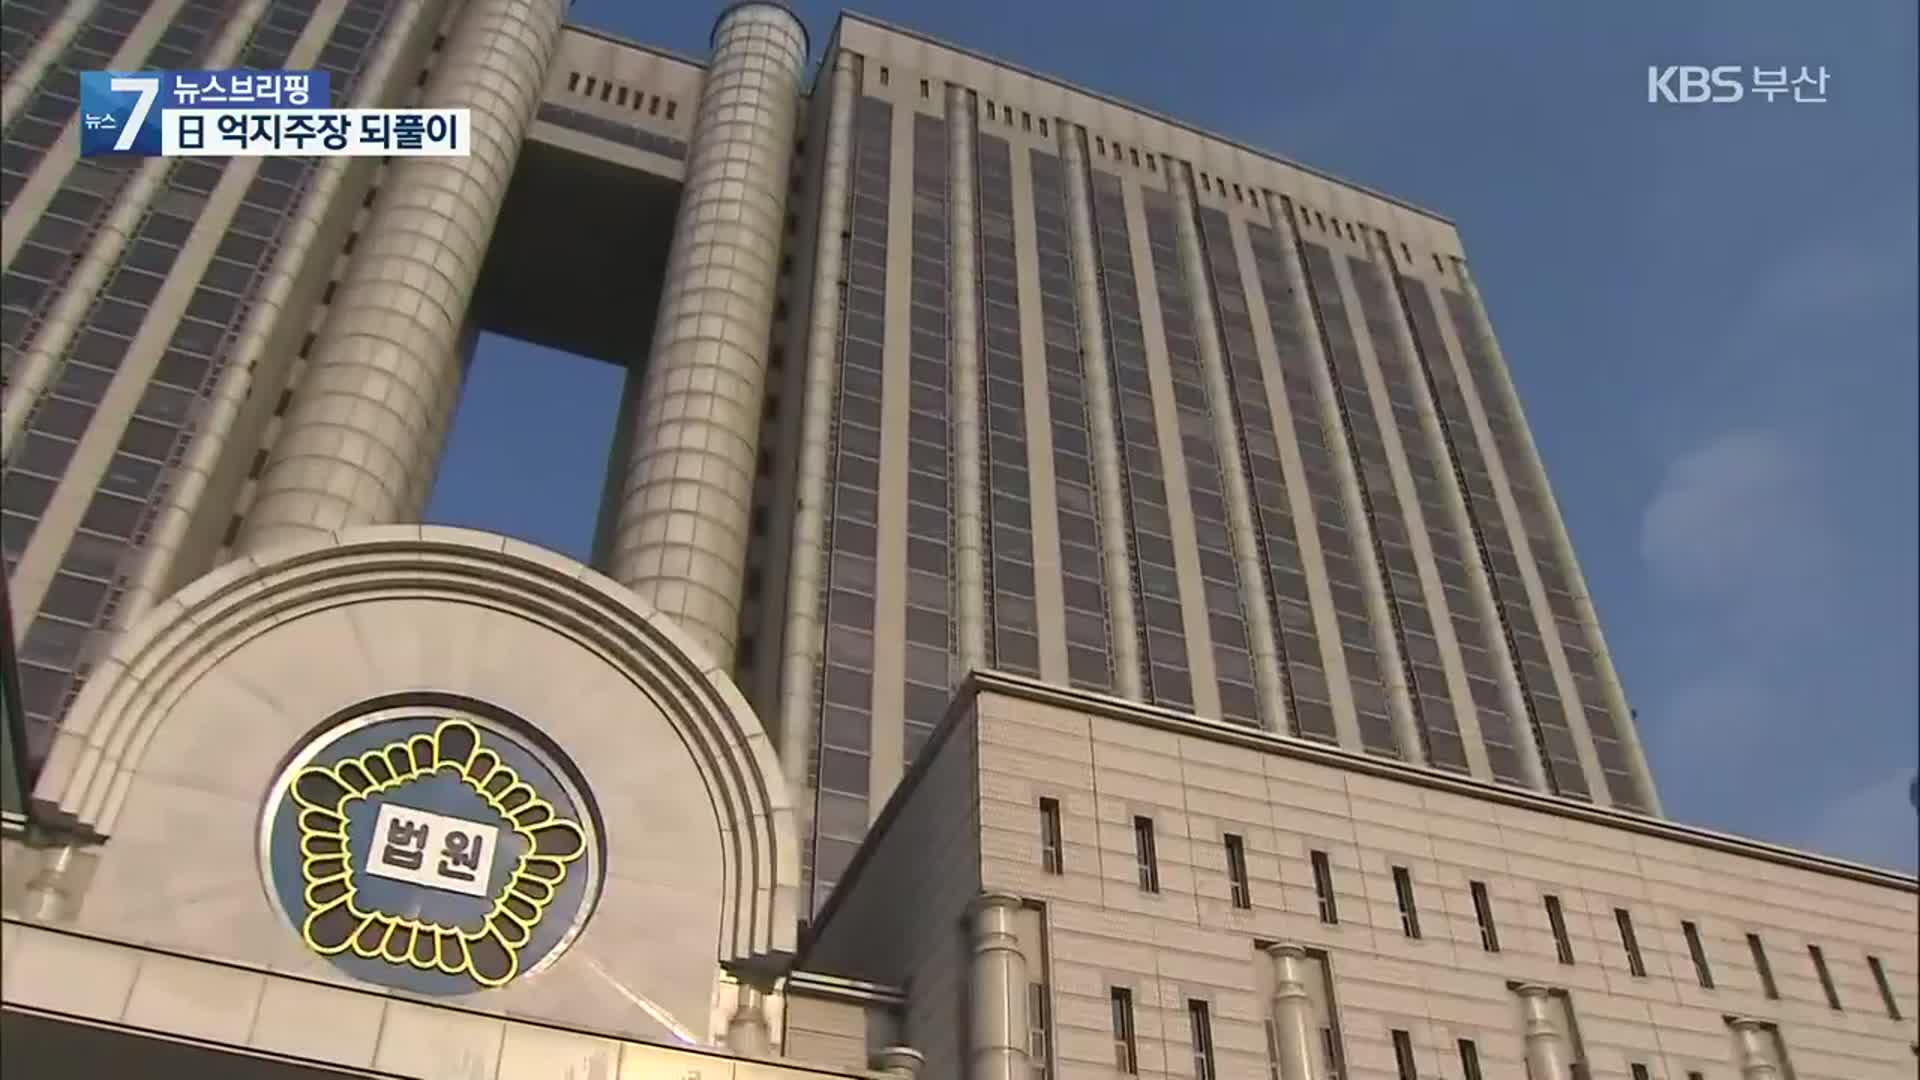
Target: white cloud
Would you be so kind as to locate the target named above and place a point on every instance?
(1874, 824)
(1737, 522)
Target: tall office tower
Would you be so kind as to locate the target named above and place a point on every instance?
(1052, 559)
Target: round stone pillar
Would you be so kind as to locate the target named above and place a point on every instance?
(686, 497)
(1546, 1050)
(1293, 1027)
(997, 992)
(369, 414)
(747, 1031)
(1756, 1057)
(899, 1062)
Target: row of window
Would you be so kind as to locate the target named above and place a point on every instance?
(1240, 889)
(1200, 1041)
(1114, 150)
(621, 94)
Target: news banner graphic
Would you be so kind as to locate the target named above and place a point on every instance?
(252, 114)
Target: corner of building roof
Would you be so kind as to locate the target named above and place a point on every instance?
(833, 42)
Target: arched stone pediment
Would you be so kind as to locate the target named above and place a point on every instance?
(175, 747)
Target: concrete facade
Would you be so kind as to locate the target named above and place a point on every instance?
(1073, 596)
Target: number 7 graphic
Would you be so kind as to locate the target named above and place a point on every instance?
(148, 88)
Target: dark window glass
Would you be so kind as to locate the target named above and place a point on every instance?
(1557, 921)
(1323, 888)
(1200, 1034)
(1403, 894)
(1125, 1057)
(1469, 1060)
(1240, 888)
(1886, 987)
(74, 598)
(1146, 863)
(1630, 942)
(1052, 854)
(1819, 958)
(1403, 1063)
(1483, 915)
(1762, 967)
(1698, 950)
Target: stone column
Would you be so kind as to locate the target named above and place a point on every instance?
(801, 640)
(1756, 1056)
(1249, 553)
(686, 501)
(366, 420)
(969, 518)
(899, 1062)
(1546, 1047)
(997, 992)
(747, 1031)
(1292, 1011)
(1109, 485)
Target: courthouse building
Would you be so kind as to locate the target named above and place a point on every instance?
(1075, 596)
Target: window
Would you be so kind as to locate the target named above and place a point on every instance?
(1630, 942)
(1696, 1074)
(1237, 883)
(1323, 888)
(1562, 947)
(1143, 856)
(1826, 977)
(1332, 1054)
(672, 107)
(1483, 914)
(925, 90)
(1698, 950)
(884, 76)
(1763, 968)
(1125, 1057)
(1640, 1072)
(1886, 988)
(1469, 1060)
(1043, 125)
(1201, 1028)
(1403, 893)
(1039, 1023)
(1403, 1064)
(1052, 857)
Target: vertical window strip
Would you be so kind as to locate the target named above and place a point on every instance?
(1007, 495)
(1578, 648)
(845, 691)
(1259, 445)
(1300, 632)
(1082, 552)
(930, 625)
(1546, 713)
(1366, 668)
(1161, 633)
(1206, 480)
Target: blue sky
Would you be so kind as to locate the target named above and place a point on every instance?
(1710, 312)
